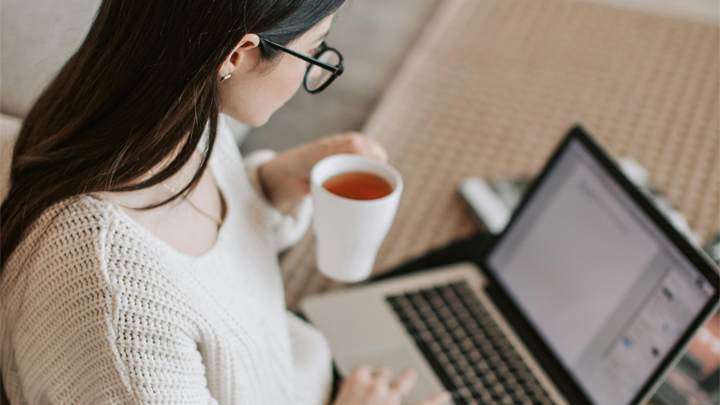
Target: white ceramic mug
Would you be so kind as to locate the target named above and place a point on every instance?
(349, 232)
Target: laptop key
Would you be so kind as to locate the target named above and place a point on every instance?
(439, 370)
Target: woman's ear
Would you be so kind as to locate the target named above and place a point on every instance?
(239, 54)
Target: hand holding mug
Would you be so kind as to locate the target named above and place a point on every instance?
(286, 179)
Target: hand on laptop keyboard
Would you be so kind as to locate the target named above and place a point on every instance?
(365, 387)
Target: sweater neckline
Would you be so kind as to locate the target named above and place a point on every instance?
(219, 239)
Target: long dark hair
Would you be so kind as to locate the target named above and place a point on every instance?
(140, 90)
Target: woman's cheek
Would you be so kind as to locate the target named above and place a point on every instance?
(295, 77)
(278, 87)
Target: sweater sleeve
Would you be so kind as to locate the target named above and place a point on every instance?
(288, 228)
(77, 332)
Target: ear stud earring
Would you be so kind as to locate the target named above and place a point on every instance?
(225, 78)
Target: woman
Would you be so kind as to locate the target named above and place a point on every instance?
(139, 251)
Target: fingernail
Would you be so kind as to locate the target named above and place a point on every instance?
(379, 152)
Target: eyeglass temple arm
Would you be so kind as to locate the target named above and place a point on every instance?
(332, 68)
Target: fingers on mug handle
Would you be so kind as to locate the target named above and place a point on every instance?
(379, 152)
(360, 144)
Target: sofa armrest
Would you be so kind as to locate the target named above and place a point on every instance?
(9, 129)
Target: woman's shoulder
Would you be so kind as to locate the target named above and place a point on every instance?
(69, 225)
(77, 237)
(82, 295)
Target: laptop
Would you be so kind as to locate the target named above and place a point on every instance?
(588, 296)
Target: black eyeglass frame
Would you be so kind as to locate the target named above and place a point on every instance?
(336, 70)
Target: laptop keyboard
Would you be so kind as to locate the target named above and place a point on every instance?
(465, 347)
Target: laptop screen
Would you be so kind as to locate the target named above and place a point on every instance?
(603, 286)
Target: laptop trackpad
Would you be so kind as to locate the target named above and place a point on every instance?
(397, 358)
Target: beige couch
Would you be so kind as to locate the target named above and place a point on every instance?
(9, 127)
(36, 38)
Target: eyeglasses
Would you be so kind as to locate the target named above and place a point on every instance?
(323, 69)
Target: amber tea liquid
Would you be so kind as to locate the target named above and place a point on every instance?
(358, 186)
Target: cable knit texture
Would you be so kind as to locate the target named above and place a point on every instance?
(96, 309)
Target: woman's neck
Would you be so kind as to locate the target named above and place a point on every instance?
(189, 224)
(160, 192)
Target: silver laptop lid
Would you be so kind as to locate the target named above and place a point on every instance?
(598, 278)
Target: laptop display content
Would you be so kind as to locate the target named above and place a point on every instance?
(604, 287)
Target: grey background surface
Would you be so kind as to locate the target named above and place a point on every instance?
(374, 37)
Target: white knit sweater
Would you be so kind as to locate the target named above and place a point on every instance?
(95, 309)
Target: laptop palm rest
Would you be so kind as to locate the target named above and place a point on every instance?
(397, 358)
(362, 329)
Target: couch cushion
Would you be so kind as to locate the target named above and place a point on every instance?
(9, 128)
(36, 38)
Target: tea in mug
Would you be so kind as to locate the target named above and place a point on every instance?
(358, 186)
